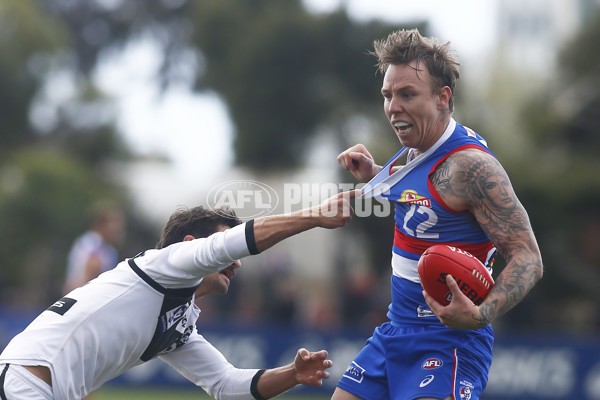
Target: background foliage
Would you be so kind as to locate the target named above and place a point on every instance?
(285, 74)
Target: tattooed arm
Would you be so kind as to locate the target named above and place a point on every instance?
(474, 181)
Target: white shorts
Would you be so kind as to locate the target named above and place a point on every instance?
(20, 384)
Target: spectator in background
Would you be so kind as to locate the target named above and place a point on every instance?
(94, 251)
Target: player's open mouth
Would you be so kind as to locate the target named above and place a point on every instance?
(228, 272)
(402, 127)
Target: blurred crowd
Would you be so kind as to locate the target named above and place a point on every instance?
(272, 293)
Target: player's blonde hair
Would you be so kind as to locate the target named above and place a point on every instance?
(404, 46)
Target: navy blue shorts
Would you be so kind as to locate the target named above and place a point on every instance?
(405, 363)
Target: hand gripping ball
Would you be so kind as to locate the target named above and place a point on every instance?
(472, 277)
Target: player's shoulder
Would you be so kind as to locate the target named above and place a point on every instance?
(463, 173)
(471, 157)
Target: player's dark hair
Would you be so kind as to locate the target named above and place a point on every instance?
(405, 46)
(198, 222)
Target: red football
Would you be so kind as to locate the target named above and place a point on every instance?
(473, 279)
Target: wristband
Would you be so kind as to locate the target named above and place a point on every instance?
(250, 240)
(254, 385)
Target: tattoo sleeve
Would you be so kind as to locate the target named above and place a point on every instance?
(474, 181)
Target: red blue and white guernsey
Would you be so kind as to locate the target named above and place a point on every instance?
(422, 219)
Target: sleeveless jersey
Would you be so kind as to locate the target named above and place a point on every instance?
(422, 219)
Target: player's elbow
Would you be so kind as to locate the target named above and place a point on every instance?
(534, 272)
(538, 271)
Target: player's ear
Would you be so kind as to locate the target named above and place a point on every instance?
(443, 97)
(187, 238)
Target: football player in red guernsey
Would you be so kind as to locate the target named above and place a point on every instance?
(452, 191)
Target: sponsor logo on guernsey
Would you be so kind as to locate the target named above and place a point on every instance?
(411, 196)
(466, 390)
(175, 315)
(424, 312)
(432, 363)
(354, 372)
(428, 379)
(62, 306)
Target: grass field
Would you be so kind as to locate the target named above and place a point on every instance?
(170, 394)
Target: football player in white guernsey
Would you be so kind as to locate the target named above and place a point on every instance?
(144, 308)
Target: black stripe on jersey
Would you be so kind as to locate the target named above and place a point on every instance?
(2, 394)
(173, 327)
(250, 240)
(183, 292)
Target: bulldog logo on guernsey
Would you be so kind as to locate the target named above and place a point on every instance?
(411, 196)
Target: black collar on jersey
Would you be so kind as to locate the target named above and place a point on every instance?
(2, 394)
(183, 292)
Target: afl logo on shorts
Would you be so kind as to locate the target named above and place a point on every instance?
(432, 363)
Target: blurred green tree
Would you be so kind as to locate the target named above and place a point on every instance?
(42, 208)
(284, 73)
(58, 139)
(28, 39)
(559, 182)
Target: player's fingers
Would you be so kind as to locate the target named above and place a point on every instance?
(346, 160)
(452, 285)
(344, 154)
(323, 375)
(353, 193)
(318, 379)
(342, 160)
(358, 156)
(354, 160)
(319, 355)
(429, 300)
(347, 195)
(436, 307)
(304, 354)
(357, 159)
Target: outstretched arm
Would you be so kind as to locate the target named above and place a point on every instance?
(204, 256)
(309, 368)
(332, 213)
(201, 363)
(474, 181)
